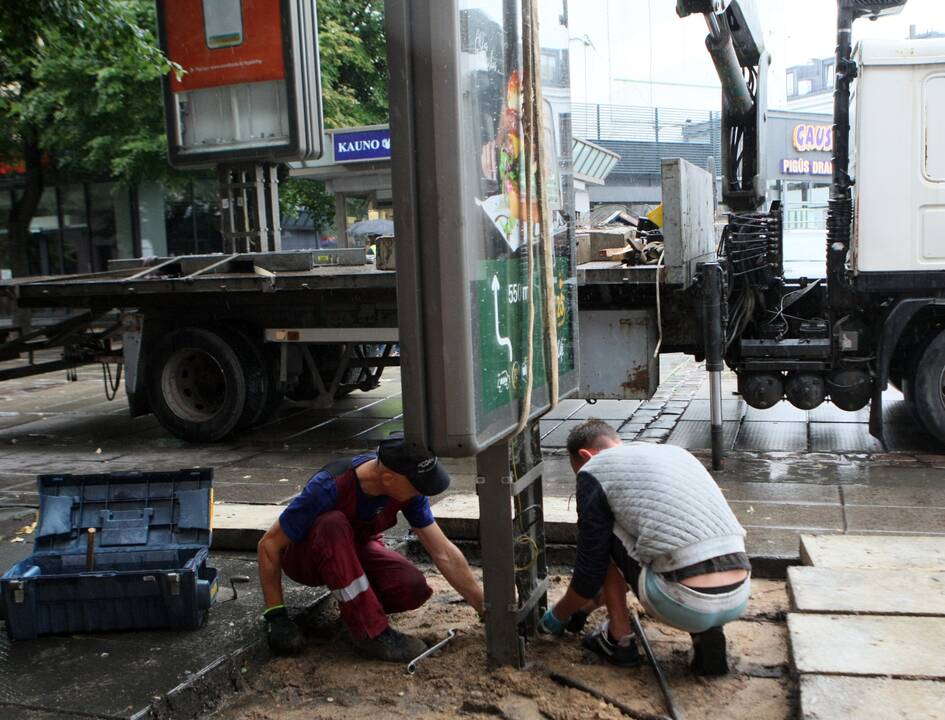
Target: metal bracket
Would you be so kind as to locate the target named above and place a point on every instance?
(18, 594)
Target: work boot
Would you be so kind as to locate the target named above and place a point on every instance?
(709, 657)
(622, 653)
(390, 646)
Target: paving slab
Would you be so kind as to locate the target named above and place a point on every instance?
(826, 697)
(780, 492)
(768, 436)
(558, 437)
(699, 410)
(829, 413)
(780, 412)
(843, 437)
(887, 645)
(868, 592)
(696, 434)
(890, 552)
(900, 494)
(564, 409)
(606, 410)
(907, 436)
(239, 526)
(796, 516)
(895, 519)
(458, 517)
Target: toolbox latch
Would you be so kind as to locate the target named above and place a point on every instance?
(173, 581)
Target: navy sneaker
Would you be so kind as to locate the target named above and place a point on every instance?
(622, 654)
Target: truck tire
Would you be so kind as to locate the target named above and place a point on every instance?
(928, 393)
(260, 376)
(197, 386)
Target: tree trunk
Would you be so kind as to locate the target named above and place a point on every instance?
(24, 208)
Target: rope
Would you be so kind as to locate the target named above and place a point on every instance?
(111, 387)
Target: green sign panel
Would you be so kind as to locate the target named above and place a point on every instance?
(503, 330)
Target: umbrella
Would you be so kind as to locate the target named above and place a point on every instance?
(371, 227)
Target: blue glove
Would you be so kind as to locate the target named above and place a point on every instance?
(550, 625)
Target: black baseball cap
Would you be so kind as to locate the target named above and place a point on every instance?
(421, 468)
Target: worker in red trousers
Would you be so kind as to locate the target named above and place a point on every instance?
(330, 534)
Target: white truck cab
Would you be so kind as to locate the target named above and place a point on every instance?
(898, 157)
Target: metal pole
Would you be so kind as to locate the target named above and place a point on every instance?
(494, 486)
(712, 333)
(657, 670)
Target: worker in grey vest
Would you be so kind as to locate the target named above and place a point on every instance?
(652, 517)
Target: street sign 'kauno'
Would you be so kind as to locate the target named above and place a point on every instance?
(251, 89)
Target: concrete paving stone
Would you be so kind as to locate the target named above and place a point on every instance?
(656, 434)
(653, 405)
(888, 552)
(564, 409)
(25, 497)
(275, 494)
(867, 592)
(699, 410)
(895, 519)
(629, 436)
(772, 542)
(340, 429)
(606, 410)
(382, 408)
(56, 460)
(558, 437)
(694, 435)
(288, 426)
(783, 436)
(826, 697)
(780, 492)
(830, 413)
(242, 475)
(788, 515)
(239, 526)
(780, 412)
(644, 415)
(546, 426)
(897, 411)
(886, 645)
(843, 437)
(381, 431)
(632, 427)
(898, 495)
(279, 460)
(664, 422)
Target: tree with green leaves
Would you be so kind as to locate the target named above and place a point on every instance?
(79, 95)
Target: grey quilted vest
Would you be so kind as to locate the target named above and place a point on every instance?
(668, 511)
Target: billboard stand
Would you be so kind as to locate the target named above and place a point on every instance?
(512, 538)
(249, 207)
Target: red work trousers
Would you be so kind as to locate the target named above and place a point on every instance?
(366, 578)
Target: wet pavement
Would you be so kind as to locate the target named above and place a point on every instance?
(787, 472)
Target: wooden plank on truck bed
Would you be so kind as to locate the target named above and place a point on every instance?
(889, 552)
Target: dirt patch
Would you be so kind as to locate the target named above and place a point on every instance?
(331, 681)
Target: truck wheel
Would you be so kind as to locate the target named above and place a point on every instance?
(928, 394)
(257, 374)
(196, 386)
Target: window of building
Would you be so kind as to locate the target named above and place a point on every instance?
(804, 87)
(829, 75)
(791, 84)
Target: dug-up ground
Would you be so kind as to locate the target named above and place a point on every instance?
(330, 681)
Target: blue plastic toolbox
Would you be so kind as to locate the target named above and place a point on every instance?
(147, 566)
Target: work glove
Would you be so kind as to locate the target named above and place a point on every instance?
(282, 633)
(550, 625)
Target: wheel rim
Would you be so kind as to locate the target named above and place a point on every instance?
(193, 385)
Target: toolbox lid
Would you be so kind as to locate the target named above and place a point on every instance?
(127, 510)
